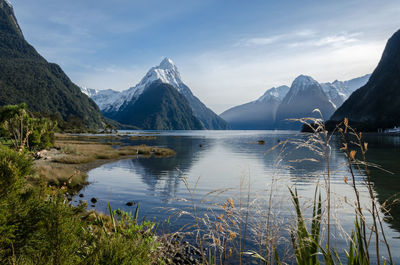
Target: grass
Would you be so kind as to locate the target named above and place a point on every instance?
(59, 174)
(221, 233)
(222, 230)
(78, 153)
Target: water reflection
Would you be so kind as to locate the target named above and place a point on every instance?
(220, 159)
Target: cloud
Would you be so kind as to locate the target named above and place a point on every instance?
(261, 41)
(239, 79)
(305, 37)
(330, 40)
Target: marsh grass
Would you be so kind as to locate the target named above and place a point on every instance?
(59, 175)
(146, 151)
(76, 153)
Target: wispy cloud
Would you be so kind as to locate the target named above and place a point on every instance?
(340, 39)
(212, 74)
(300, 38)
(260, 41)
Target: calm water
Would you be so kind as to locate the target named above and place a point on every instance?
(221, 159)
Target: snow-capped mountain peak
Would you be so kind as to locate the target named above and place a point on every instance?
(303, 81)
(277, 93)
(166, 72)
(167, 64)
(302, 84)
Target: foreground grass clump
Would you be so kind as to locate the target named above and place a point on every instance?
(39, 226)
(311, 234)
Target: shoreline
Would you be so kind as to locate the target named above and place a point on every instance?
(73, 156)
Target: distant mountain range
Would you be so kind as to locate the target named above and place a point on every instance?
(376, 105)
(124, 106)
(272, 110)
(304, 96)
(25, 76)
(259, 114)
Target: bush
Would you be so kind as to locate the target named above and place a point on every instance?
(39, 226)
(24, 129)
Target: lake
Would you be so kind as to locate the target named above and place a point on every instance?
(233, 164)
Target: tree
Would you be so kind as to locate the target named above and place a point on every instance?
(20, 126)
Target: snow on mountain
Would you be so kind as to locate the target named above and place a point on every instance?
(299, 85)
(111, 102)
(166, 72)
(106, 98)
(304, 96)
(339, 91)
(90, 92)
(259, 114)
(275, 92)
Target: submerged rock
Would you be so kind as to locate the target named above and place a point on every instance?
(130, 203)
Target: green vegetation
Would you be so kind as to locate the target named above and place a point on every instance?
(39, 226)
(20, 128)
(25, 76)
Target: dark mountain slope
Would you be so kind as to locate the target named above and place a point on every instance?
(377, 104)
(25, 76)
(160, 107)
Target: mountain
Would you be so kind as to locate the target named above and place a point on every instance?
(259, 114)
(376, 104)
(113, 103)
(304, 96)
(25, 76)
(339, 91)
(160, 107)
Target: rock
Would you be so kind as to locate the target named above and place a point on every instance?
(41, 154)
(93, 200)
(130, 203)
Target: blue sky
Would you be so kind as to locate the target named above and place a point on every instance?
(228, 52)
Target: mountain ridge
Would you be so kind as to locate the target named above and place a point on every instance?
(112, 102)
(261, 113)
(169, 110)
(25, 76)
(375, 105)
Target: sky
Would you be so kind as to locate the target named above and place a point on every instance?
(228, 52)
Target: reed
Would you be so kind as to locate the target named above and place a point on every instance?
(225, 227)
